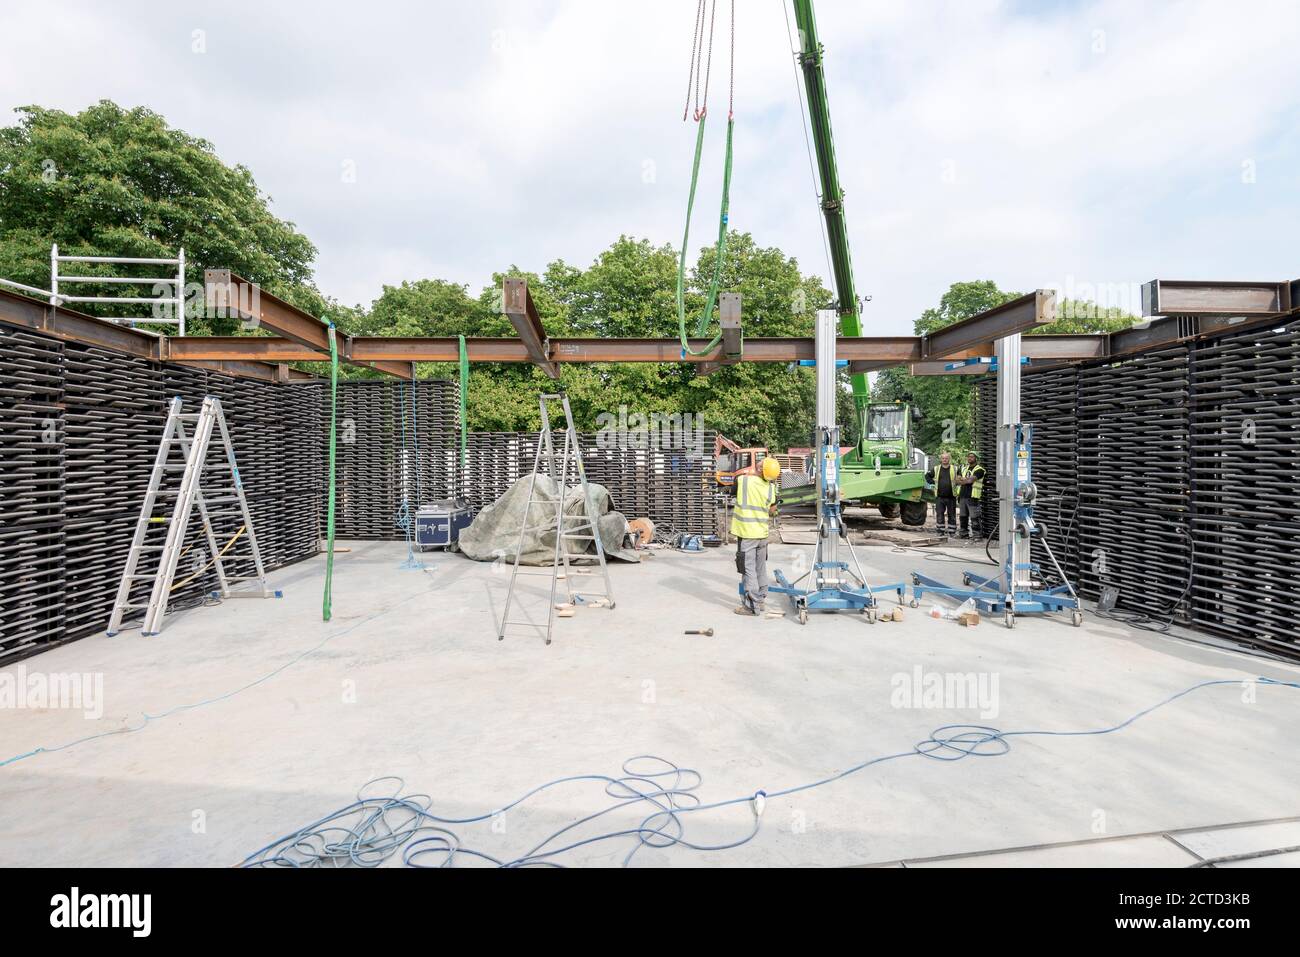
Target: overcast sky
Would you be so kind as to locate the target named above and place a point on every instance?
(1055, 143)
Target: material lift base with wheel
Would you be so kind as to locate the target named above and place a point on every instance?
(844, 596)
(1017, 587)
(990, 599)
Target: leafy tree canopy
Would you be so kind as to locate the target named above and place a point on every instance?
(114, 182)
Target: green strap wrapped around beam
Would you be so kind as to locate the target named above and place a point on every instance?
(703, 322)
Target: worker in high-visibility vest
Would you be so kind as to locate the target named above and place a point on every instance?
(944, 479)
(755, 503)
(971, 482)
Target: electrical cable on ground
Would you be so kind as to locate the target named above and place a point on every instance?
(372, 829)
(1146, 622)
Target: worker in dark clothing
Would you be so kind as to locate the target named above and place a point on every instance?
(944, 479)
(969, 506)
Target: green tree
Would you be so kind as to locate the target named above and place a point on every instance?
(114, 182)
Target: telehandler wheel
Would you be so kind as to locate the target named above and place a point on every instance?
(888, 509)
(913, 513)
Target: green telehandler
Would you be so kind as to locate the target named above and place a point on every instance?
(882, 470)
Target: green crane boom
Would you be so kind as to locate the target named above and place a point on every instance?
(832, 195)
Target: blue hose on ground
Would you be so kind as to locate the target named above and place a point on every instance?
(372, 829)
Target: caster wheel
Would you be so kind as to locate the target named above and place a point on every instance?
(914, 603)
(871, 616)
(1009, 618)
(803, 617)
(1077, 618)
(611, 606)
(965, 580)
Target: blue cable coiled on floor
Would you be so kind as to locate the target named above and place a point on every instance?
(372, 829)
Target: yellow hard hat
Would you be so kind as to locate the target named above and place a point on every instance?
(771, 469)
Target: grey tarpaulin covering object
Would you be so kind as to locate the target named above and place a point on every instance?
(494, 533)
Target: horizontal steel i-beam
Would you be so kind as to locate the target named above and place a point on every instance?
(1184, 297)
(1024, 314)
(69, 326)
(228, 293)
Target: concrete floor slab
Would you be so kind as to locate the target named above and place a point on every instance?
(242, 722)
(1225, 842)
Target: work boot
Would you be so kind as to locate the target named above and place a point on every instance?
(744, 610)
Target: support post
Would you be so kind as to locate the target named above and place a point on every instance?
(1014, 552)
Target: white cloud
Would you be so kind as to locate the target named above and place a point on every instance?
(1100, 140)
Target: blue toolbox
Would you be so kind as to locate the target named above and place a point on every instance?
(439, 524)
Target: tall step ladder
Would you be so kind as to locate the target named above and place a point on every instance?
(563, 467)
(193, 462)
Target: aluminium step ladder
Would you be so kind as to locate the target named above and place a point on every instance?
(562, 467)
(189, 494)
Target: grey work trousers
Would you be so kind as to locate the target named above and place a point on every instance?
(945, 515)
(969, 509)
(751, 562)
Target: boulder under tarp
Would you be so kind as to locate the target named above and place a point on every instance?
(494, 533)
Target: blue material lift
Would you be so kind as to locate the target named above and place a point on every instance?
(1011, 591)
(834, 586)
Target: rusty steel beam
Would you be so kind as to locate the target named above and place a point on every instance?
(517, 304)
(890, 350)
(1042, 351)
(1024, 314)
(1181, 297)
(1053, 349)
(225, 348)
(1170, 331)
(61, 323)
(1072, 347)
(223, 290)
(266, 372)
(940, 367)
(865, 365)
(66, 325)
